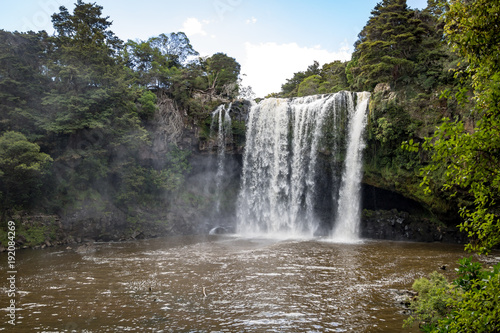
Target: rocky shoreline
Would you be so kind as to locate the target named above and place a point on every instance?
(403, 226)
(41, 231)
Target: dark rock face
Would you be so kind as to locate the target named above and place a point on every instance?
(389, 215)
(374, 198)
(106, 222)
(386, 214)
(402, 226)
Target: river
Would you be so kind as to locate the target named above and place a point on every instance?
(220, 284)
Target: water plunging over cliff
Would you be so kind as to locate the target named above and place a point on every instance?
(346, 226)
(224, 135)
(284, 141)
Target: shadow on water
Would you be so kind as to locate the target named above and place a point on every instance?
(221, 283)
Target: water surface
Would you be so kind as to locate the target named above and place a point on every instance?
(220, 284)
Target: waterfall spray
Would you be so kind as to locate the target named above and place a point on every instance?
(224, 135)
(346, 226)
(284, 139)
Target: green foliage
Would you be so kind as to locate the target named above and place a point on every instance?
(388, 45)
(469, 273)
(476, 309)
(472, 156)
(89, 87)
(471, 303)
(222, 74)
(22, 83)
(309, 86)
(22, 167)
(153, 61)
(290, 88)
(432, 301)
(31, 233)
(399, 46)
(145, 185)
(148, 104)
(165, 64)
(384, 131)
(330, 78)
(90, 101)
(333, 77)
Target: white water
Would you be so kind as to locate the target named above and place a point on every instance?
(224, 135)
(346, 226)
(280, 166)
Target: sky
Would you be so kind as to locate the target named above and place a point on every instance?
(271, 39)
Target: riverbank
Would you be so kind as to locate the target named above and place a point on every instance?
(39, 231)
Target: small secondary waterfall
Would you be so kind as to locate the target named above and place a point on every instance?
(346, 226)
(224, 135)
(281, 169)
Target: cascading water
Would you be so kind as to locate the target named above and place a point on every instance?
(224, 135)
(346, 226)
(280, 167)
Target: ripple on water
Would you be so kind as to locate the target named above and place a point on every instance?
(224, 284)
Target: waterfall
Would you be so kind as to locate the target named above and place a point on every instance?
(346, 226)
(284, 140)
(224, 136)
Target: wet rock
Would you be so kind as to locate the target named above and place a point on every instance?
(86, 248)
(21, 240)
(402, 226)
(402, 297)
(218, 231)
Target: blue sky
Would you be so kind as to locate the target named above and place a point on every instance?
(271, 39)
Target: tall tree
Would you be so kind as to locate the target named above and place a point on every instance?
(92, 108)
(175, 47)
(85, 33)
(222, 73)
(23, 59)
(153, 60)
(89, 86)
(472, 157)
(22, 167)
(387, 45)
(333, 77)
(291, 87)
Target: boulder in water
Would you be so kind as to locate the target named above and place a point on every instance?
(218, 231)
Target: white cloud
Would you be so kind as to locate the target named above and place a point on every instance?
(268, 65)
(192, 26)
(252, 20)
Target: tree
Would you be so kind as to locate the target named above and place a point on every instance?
(22, 167)
(291, 87)
(153, 60)
(85, 33)
(333, 77)
(222, 73)
(472, 157)
(89, 86)
(23, 58)
(90, 113)
(387, 45)
(175, 47)
(309, 86)
(330, 78)
(468, 304)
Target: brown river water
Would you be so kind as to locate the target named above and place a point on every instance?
(219, 284)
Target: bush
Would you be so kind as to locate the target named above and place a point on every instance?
(431, 303)
(471, 303)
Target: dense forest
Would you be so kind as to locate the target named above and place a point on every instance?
(91, 123)
(433, 131)
(87, 120)
(434, 134)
